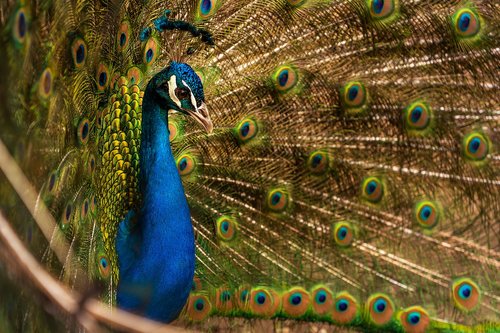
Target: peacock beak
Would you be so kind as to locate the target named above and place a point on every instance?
(202, 116)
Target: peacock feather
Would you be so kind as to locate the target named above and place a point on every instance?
(345, 171)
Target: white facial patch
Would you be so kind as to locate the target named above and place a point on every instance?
(172, 85)
(193, 100)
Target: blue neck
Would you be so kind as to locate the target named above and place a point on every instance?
(165, 260)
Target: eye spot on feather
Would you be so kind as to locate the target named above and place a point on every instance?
(198, 307)
(381, 9)
(427, 214)
(172, 131)
(224, 299)
(244, 296)
(52, 182)
(79, 52)
(186, 164)
(45, 83)
(476, 146)
(414, 319)
(380, 309)
(150, 51)
(91, 164)
(354, 97)
(466, 294)
(246, 130)
(93, 204)
(67, 214)
(264, 302)
(342, 305)
(226, 228)
(418, 116)
(343, 234)
(20, 27)
(318, 162)
(296, 302)
(103, 266)
(134, 75)
(207, 8)
(322, 300)
(345, 308)
(84, 209)
(83, 131)
(285, 78)
(372, 189)
(466, 23)
(123, 36)
(278, 200)
(102, 77)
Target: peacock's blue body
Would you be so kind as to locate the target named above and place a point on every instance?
(155, 247)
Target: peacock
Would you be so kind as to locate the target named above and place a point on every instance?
(309, 162)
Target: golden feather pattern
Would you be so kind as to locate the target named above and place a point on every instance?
(352, 177)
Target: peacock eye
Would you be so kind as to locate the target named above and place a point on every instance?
(182, 93)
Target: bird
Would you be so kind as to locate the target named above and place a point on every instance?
(307, 161)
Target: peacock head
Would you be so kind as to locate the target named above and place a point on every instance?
(180, 89)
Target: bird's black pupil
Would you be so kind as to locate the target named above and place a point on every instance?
(183, 94)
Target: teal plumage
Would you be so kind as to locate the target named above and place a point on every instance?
(352, 176)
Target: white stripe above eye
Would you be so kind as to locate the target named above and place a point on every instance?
(172, 85)
(193, 100)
